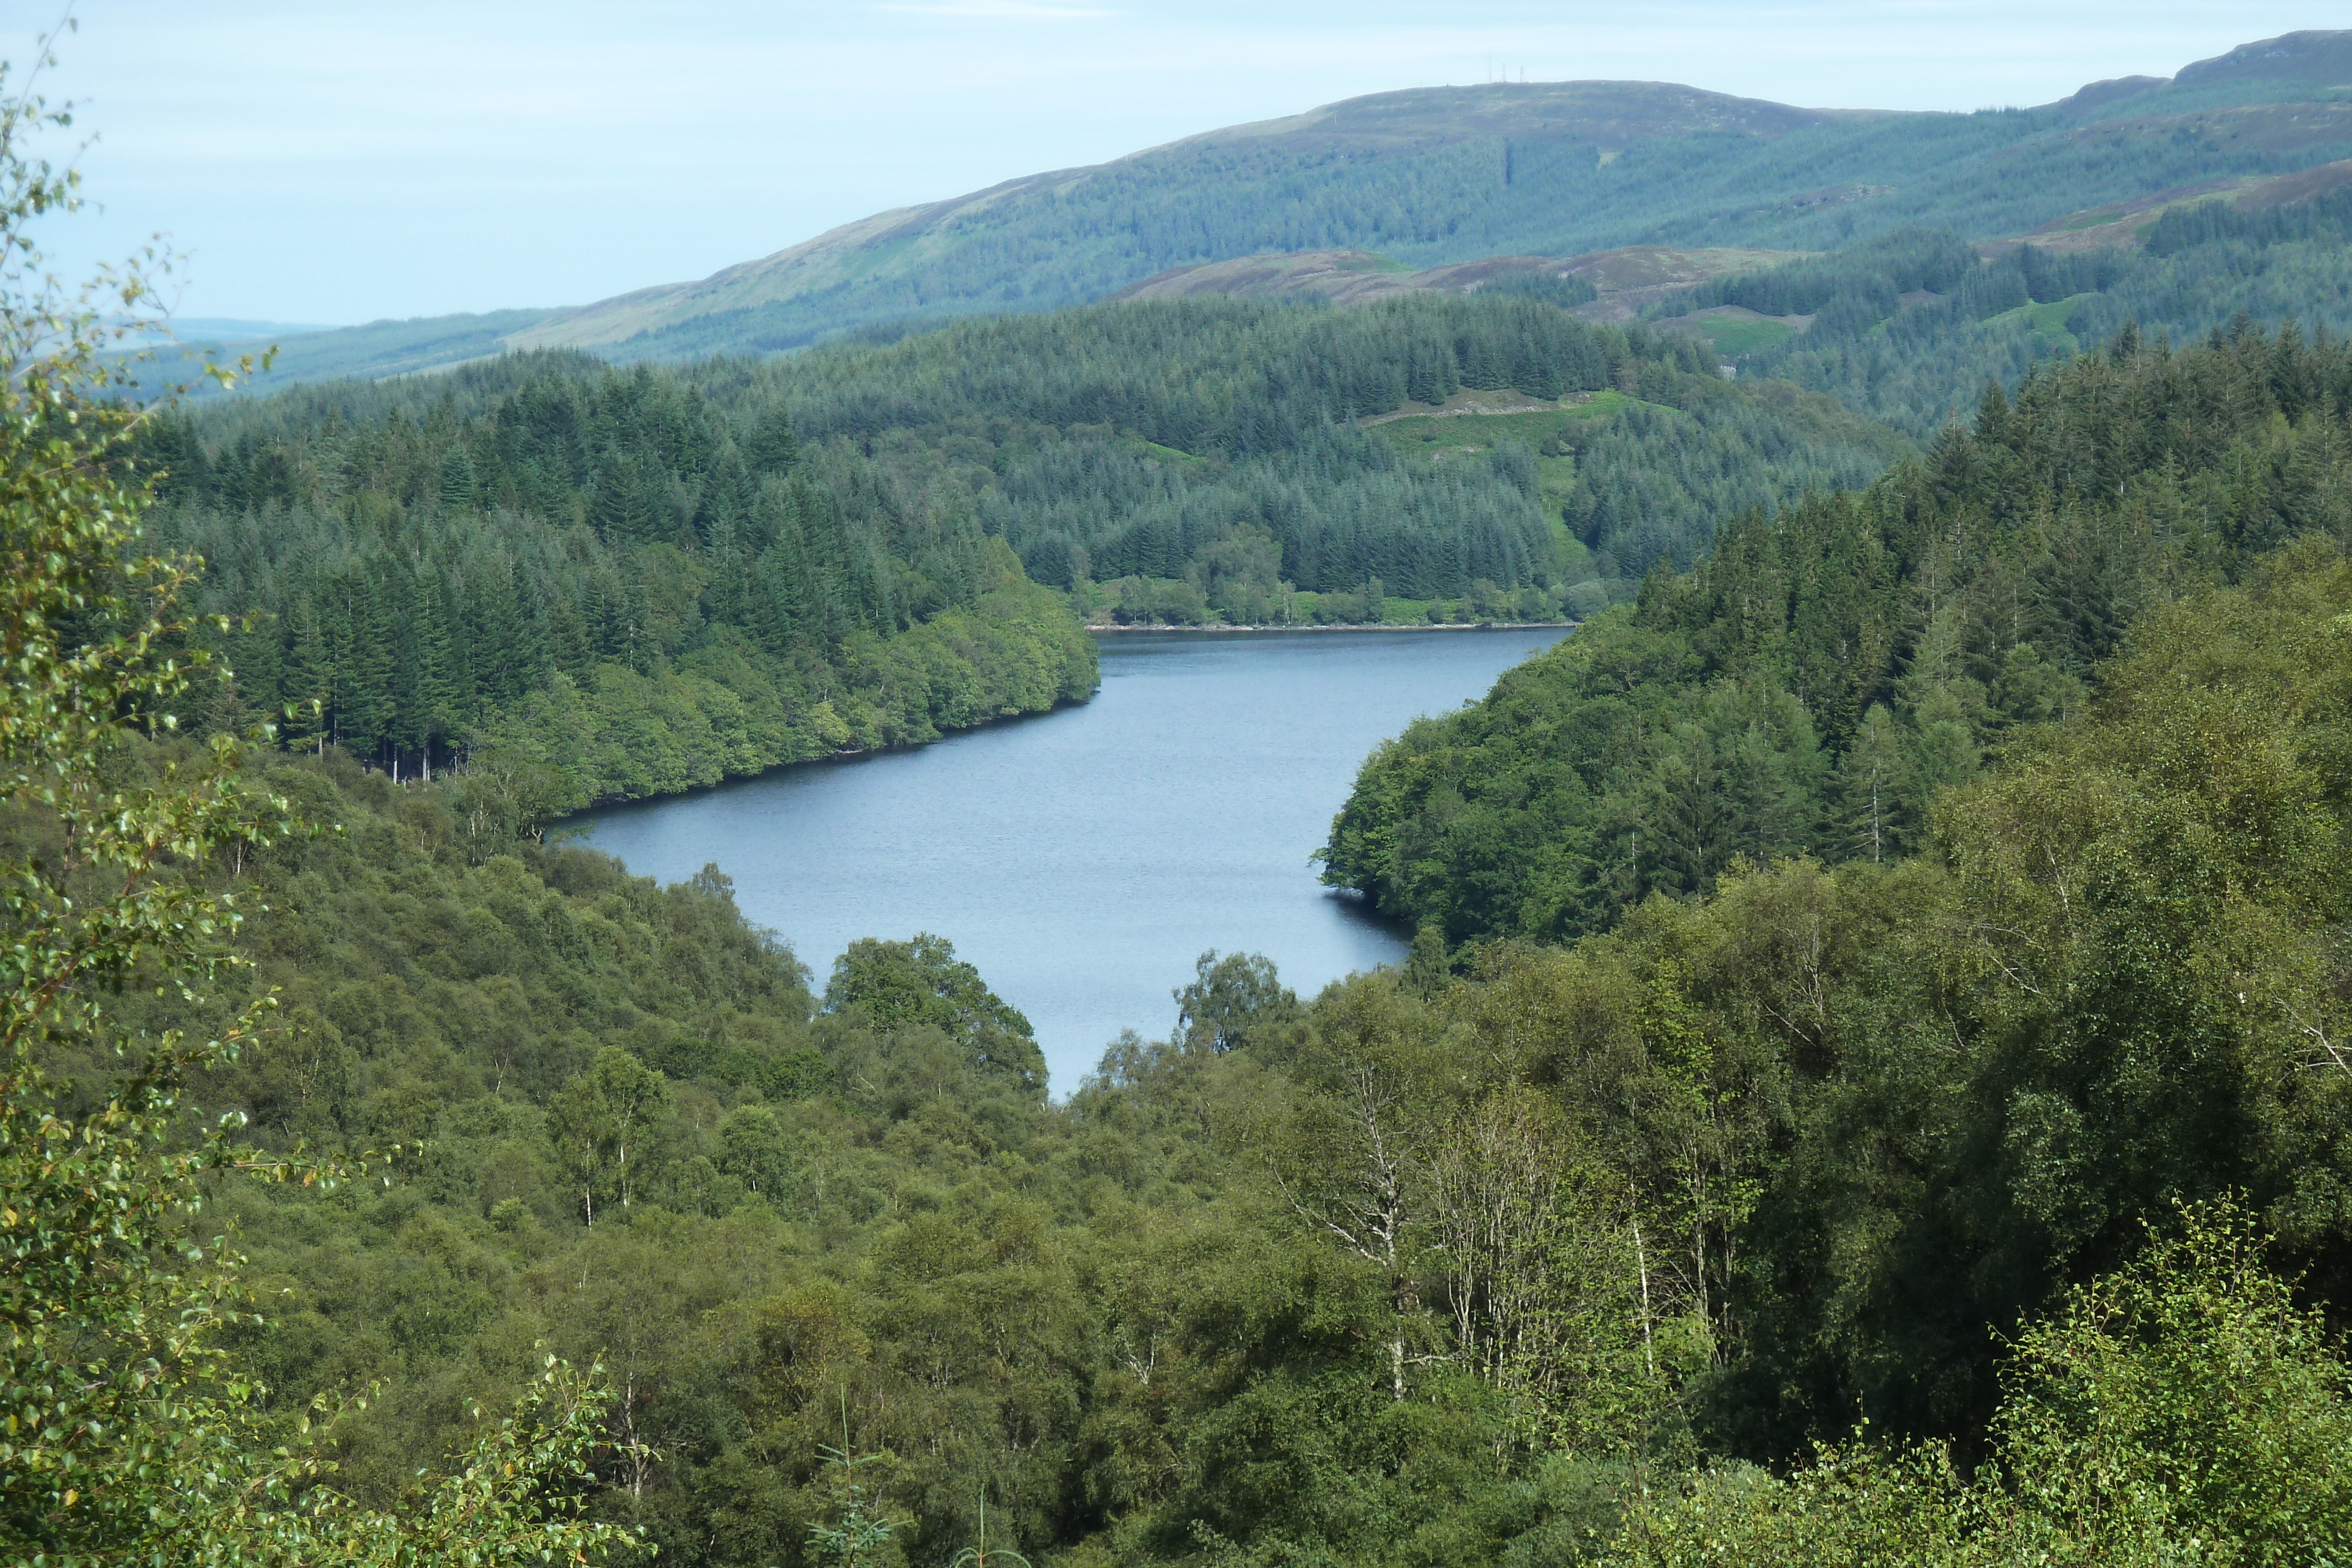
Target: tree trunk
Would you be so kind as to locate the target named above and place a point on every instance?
(1642, 1262)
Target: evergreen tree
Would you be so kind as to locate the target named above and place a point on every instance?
(1875, 790)
(458, 484)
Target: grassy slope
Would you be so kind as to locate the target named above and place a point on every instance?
(1434, 437)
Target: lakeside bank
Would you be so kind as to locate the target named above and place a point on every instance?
(1390, 626)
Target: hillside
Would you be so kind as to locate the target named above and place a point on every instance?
(682, 568)
(1810, 687)
(1433, 176)
(2027, 1147)
(1608, 285)
(976, 252)
(1447, 174)
(583, 584)
(1909, 328)
(2127, 223)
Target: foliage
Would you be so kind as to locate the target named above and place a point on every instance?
(861, 1533)
(1171, 441)
(1909, 327)
(1231, 1002)
(600, 558)
(1828, 965)
(2180, 1410)
(1458, 1264)
(131, 1432)
(1809, 687)
(695, 575)
(895, 987)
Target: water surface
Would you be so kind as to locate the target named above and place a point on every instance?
(1083, 859)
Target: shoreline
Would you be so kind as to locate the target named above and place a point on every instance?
(817, 760)
(1430, 626)
(566, 821)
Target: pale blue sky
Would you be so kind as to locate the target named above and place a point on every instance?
(330, 161)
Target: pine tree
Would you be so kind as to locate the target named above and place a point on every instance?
(365, 709)
(433, 653)
(773, 446)
(308, 688)
(1874, 789)
(458, 487)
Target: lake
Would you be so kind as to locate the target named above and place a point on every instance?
(1083, 859)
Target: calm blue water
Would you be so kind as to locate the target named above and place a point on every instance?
(1083, 859)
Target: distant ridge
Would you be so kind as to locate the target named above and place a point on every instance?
(2114, 90)
(2313, 58)
(1431, 178)
(1608, 115)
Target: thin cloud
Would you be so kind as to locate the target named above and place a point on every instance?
(1003, 10)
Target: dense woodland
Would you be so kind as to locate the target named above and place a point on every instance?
(1869, 1084)
(1142, 440)
(1548, 1255)
(709, 571)
(593, 584)
(1905, 327)
(1812, 684)
(2007, 1120)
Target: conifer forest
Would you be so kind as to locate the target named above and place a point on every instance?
(1872, 1079)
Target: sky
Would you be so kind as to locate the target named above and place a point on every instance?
(318, 161)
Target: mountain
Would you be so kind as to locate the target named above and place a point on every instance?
(1438, 175)
(1433, 177)
(970, 249)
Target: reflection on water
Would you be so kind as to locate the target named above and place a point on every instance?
(1083, 859)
